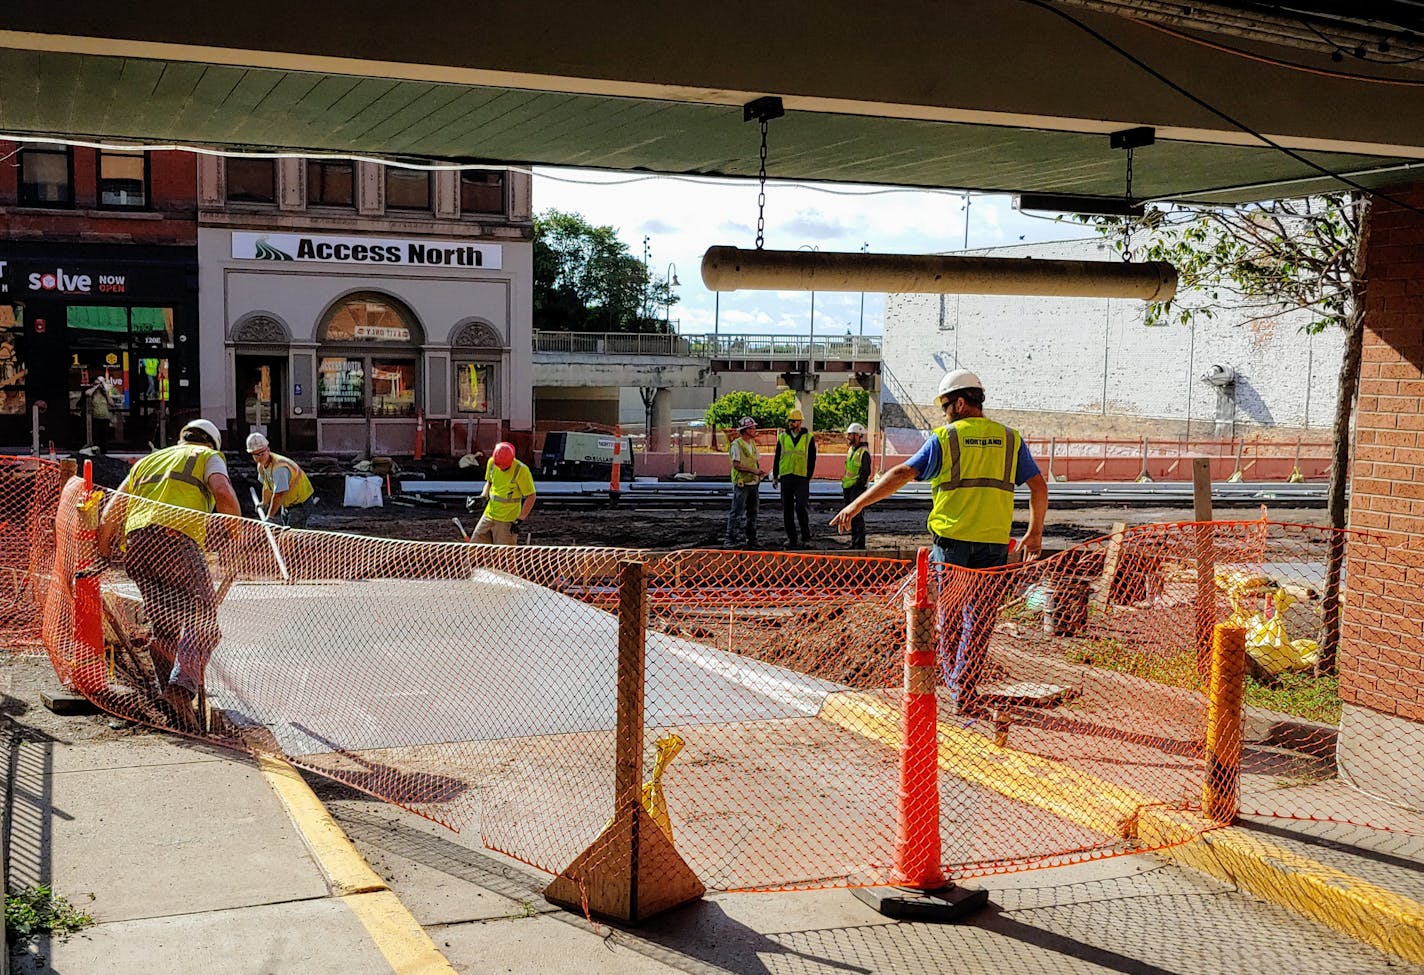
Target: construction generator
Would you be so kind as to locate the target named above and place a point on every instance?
(583, 457)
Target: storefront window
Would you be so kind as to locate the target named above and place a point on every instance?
(123, 180)
(482, 191)
(341, 387)
(251, 181)
(474, 387)
(407, 189)
(12, 361)
(369, 359)
(46, 177)
(392, 388)
(331, 184)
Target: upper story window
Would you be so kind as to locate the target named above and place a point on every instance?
(251, 180)
(407, 189)
(123, 179)
(46, 176)
(482, 191)
(331, 183)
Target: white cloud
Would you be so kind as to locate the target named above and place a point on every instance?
(684, 216)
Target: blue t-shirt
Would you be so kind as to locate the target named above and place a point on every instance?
(928, 458)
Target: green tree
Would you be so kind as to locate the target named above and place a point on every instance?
(767, 411)
(586, 280)
(837, 408)
(1306, 254)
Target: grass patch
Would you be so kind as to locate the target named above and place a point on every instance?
(1301, 694)
(34, 911)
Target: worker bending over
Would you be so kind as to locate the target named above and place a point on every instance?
(157, 517)
(509, 490)
(973, 464)
(286, 489)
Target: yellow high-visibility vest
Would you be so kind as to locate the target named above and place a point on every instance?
(173, 476)
(299, 486)
(507, 490)
(794, 453)
(974, 489)
(749, 454)
(855, 457)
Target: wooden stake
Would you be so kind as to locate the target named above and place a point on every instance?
(631, 871)
(1206, 562)
(1221, 789)
(1102, 591)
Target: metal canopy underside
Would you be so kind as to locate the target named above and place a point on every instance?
(906, 114)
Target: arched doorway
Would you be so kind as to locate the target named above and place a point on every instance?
(368, 371)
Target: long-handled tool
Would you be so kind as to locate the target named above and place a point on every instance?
(463, 534)
(271, 538)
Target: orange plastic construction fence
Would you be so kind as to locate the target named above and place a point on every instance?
(482, 686)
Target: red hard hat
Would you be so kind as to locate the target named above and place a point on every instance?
(503, 455)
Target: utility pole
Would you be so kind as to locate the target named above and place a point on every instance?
(647, 278)
(864, 250)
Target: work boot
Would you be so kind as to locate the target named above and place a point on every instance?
(180, 699)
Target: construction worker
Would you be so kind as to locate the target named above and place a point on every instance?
(856, 478)
(157, 517)
(286, 489)
(972, 464)
(509, 491)
(792, 468)
(746, 482)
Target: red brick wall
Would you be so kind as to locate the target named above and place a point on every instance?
(1382, 652)
(172, 216)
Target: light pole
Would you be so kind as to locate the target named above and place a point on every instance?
(647, 278)
(864, 250)
(811, 342)
(672, 282)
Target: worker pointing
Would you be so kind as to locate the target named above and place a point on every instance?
(286, 489)
(509, 490)
(973, 464)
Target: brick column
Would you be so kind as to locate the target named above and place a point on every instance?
(1381, 660)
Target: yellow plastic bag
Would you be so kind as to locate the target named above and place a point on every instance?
(653, 799)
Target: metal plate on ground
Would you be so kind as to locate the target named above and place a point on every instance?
(1029, 694)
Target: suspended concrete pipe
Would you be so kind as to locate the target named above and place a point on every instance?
(736, 269)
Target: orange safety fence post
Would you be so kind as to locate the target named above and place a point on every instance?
(420, 434)
(922, 891)
(631, 871)
(1221, 790)
(616, 473)
(88, 674)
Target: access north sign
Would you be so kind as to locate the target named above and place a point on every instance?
(365, 250)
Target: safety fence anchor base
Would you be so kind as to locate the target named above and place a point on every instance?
(942, 905)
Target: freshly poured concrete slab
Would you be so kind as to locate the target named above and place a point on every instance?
(385, 663)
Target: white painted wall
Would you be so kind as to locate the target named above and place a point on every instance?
(1079, 358)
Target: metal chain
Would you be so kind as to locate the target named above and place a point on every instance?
(1127, 220)
(761, 191)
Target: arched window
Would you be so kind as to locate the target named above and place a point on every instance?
(370, 357)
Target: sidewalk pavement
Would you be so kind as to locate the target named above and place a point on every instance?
(200, 859)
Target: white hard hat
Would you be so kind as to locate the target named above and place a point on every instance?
(207, 428)
(745, 422)
(958, 379)
(856, 428)
(256, 442)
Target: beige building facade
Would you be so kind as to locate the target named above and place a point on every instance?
(359, 309)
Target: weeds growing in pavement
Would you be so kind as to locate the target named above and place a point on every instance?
(33, 911)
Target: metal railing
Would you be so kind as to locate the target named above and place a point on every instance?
(860, 348)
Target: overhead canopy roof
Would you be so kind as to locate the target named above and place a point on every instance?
(994, 95)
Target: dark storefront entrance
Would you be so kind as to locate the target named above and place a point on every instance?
(103, 339)
(260, 381)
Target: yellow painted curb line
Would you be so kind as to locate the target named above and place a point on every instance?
(1354, 907)
(397, 935)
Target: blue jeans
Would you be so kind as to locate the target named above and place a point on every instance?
(968, 608)
(746, 500)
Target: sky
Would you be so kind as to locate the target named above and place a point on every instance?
(683, 216)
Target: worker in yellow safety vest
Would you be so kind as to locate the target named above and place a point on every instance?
(746, 482)
(286, 489)
(792, 469)
(856, 479)
(509, 491)
(973, 465)
(158, 518)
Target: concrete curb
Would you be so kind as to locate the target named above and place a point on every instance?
(394, 931)
(1354, 907)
